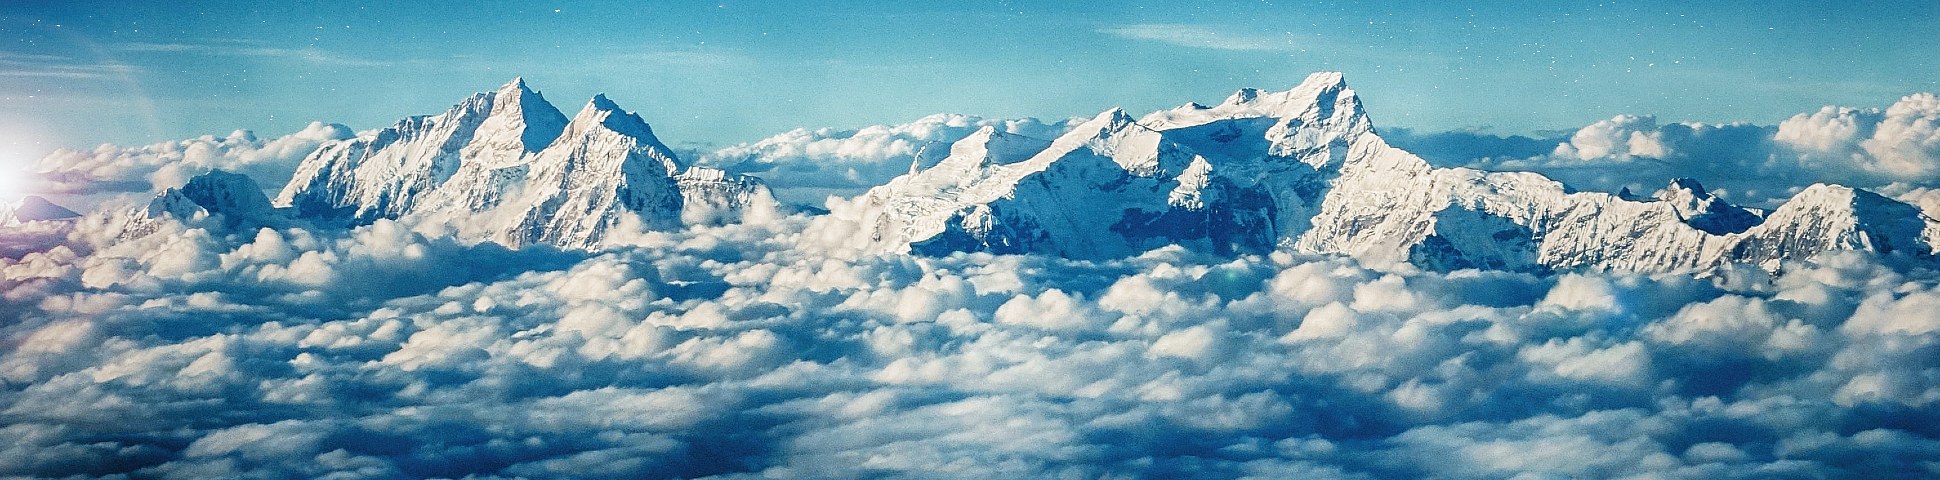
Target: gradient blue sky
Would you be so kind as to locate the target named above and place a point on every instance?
(81, 73)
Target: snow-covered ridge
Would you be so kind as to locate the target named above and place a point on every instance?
(509, 167)
(1303, 170)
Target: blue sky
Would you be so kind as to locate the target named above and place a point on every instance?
(81, 73)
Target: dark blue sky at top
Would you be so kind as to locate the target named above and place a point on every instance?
(80, 73)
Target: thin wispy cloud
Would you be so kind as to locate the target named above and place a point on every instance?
(306, 54)
(1202, 36)
(22, 65)
(684, 57)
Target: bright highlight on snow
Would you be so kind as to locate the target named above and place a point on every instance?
(1267, 287)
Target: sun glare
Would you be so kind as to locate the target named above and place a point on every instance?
(13, 177)
(15, 163)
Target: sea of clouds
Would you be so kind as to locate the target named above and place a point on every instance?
(750, 350)
(769, 350)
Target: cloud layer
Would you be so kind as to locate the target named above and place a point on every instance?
(1892, 150)
(111, 169)
(806, 166)
(1895, 151)
(748, 351)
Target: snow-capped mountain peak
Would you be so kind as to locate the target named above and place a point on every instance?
(594, 112)
(538, 121)
(1116, 135)
(606, 107)
(520, 123)
(1705, 211)
(508, 166)
(987, 147)
(1244, 95)
(602, 124)
(33, 208)
(1322, 96)
(224, 198)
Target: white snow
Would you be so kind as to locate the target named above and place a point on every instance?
(1304, 170)
(509, 167)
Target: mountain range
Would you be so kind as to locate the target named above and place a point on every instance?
(505, 166)
(1302, 170)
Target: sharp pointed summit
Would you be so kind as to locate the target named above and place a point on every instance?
(600, 102)
(1688, 184)
(1244, 95)
(517, 82)
(521, 121)
(1705, 211)
(604, 112)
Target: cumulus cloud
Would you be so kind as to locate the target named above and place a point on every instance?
(805, 166)
(1901, 143)
(1753, 164)
(110, 168)
(1622, 137)
(741, 351)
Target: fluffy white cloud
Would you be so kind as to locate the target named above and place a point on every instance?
(1901, 143)
(110, 168)
(1907, 142)
(1832, 129)
(805, 166)
(743, 351)
(1622, 137)
(1752, 164)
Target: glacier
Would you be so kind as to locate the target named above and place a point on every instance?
(1305, 171)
